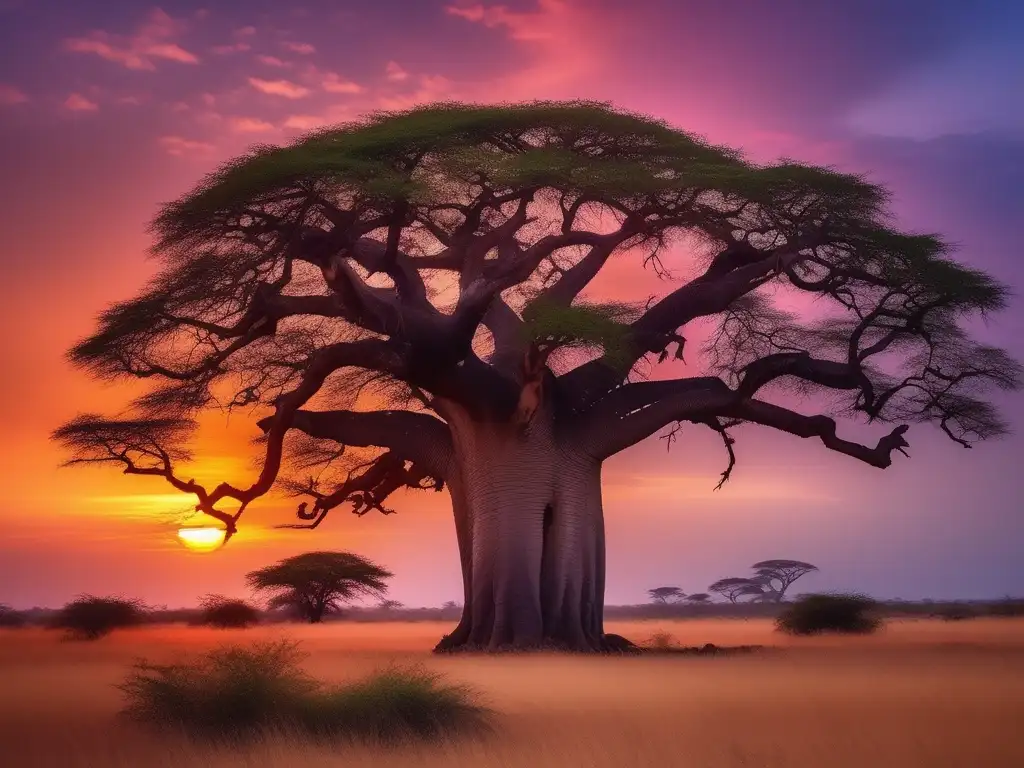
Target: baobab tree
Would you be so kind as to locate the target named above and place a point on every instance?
(664, 594)
(733, 588)
(408, 294)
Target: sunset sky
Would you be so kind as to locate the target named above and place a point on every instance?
(109, 108)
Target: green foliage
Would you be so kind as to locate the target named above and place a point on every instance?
(227, 613)
(235, 692)
(830, 613)
(315, 583)
(572, 146)
(582, 324)
(90, 618)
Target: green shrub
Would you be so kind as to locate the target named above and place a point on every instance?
(236, 692)
(226, 613)
(817, 613)
(90, 618)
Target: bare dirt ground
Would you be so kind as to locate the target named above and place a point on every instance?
(920, 693)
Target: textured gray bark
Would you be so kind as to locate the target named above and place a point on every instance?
(531, 534)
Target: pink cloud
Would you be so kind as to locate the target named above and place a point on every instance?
(334, 83)
(10, 95)
(150, 41)
(304, 48)
(303, 122)
(520, 25)
(285, 88)
(567, 43)
(394, 72)
(251, 125)
(432, 88)
(247, 31)
(176, 145)
(271, 61)
(76, 102)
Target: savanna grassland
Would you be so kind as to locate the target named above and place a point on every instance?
(919, 693)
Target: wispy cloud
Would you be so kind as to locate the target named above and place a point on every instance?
(76, 102)
(284, 88)
(303, 122)
(247, 31)
(566, 39)
(395, 73)
(333, 83)
(177, 145)
(10, 95)
(250, 125)
(271, 61)
(431, 88)
(151, 41)
(304, 48)
(521, 25)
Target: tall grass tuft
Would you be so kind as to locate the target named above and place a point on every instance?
(235, 693)
(839, 613)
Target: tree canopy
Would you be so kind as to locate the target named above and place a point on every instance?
(437, 259)
(314, 584)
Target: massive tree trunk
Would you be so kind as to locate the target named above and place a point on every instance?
(531, 535)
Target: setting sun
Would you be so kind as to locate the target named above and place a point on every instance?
(202, 539)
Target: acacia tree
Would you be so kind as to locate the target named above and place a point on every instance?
(440, 257)
(314, 584)
(776, 576)
(734, 587)
(664, 594)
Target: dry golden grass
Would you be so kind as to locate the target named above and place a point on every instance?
(921, 693)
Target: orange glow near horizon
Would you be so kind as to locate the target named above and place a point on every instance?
(202, 538)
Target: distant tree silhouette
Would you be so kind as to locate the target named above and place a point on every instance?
(698, 598)
(664, 594)
(450, 605)
(733, 588)
(10, 618)
(316, 583)
(89, 618)
(227, 613)
(390, 605)
(776, 576)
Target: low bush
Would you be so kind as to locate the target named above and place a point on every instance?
(90, 618)
(233, 693)
(226, 613)
(955, 612)
(661, 641)
(1007, 607)
(819, 613)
